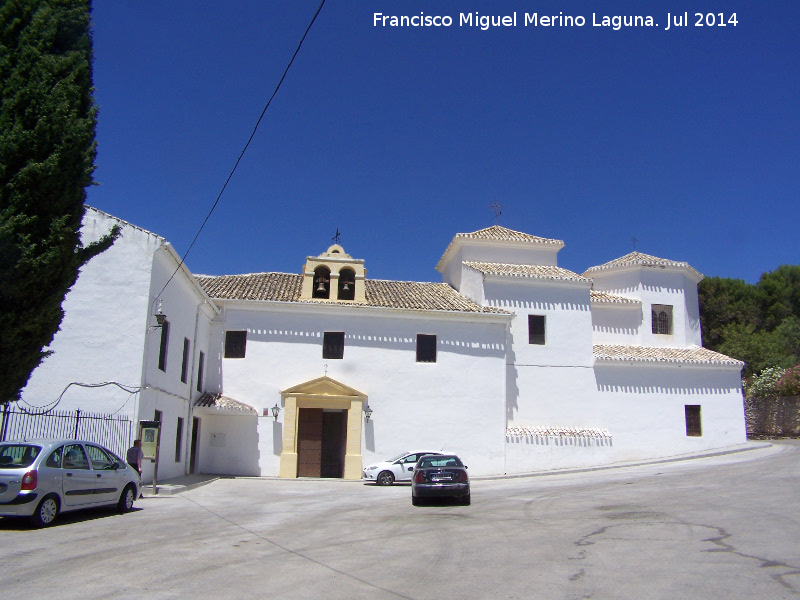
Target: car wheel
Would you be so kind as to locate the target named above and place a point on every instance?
(46, 512)
(466, 500)
(126, 498)
(415, 501)
(385, 478)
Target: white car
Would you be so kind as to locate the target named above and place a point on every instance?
(399, 468)
(41, 478)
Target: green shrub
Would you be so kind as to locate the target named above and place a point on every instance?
(763, 384)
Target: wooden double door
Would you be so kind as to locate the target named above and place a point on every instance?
(321, 442)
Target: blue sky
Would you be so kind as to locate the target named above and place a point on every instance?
(687, 139)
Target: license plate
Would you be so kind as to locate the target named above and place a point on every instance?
(442, 478)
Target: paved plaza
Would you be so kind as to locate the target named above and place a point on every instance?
(719, 527)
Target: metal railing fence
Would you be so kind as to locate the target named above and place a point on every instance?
(113, 432)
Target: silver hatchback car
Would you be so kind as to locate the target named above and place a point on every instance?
(41, 478)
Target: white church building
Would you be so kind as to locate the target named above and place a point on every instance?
(512, 362)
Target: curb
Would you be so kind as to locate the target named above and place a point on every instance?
(656, 461)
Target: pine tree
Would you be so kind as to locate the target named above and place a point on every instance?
(47, 152)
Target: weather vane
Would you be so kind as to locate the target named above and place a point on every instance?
(336, 238)
(496, 208)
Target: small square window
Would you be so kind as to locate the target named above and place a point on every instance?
(662, 319)
(694, 427)
(235, 344)
(536, 329)
(333, 344)
(426, 348)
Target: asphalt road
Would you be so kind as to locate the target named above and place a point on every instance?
(723, 527)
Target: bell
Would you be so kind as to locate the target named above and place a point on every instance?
(346, 286)
(321, 286)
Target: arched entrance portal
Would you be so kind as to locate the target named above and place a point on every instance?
(322, 430)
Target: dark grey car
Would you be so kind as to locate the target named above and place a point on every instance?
(41, 478)
(443, 476)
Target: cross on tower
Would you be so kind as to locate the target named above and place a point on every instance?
(634, 240)
(496, 208)
(336, 238)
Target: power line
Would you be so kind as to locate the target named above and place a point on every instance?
(52, 405)
(250, 139)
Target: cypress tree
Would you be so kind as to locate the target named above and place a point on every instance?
(47, 152)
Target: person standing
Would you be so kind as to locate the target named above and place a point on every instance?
(135, 456)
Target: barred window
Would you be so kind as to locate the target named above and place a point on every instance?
(662, 319)
(694, 427)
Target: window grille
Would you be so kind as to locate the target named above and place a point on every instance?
(694, 426)
(662, 319)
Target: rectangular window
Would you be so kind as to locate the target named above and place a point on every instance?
(333, 344)
(426, 348)
(201, 363)
(235, 344)
(162, 352)
(185, 363)
(536, 329)
(179, 440)
(694, 426)
(662, 319)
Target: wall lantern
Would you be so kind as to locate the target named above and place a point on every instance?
(161, 318)
(275, 410)
(367, 413)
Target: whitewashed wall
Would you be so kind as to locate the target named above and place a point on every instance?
(455, 404)
(453, 270)
(230, 444)
(188, 314)
(657, 286)
(645, 407)
(103, 332)
(617, 323)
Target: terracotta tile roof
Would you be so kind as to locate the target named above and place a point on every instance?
(495, 232)
(220, 402)
(692, 355)
(643, 260)
(583, 432)
(606, 298)
(534, 271)
(285, 287)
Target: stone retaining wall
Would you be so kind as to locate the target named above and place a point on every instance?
(772, 416)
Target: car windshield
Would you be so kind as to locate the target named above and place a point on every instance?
(429, 462)
(398, 457)
(16, 456)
